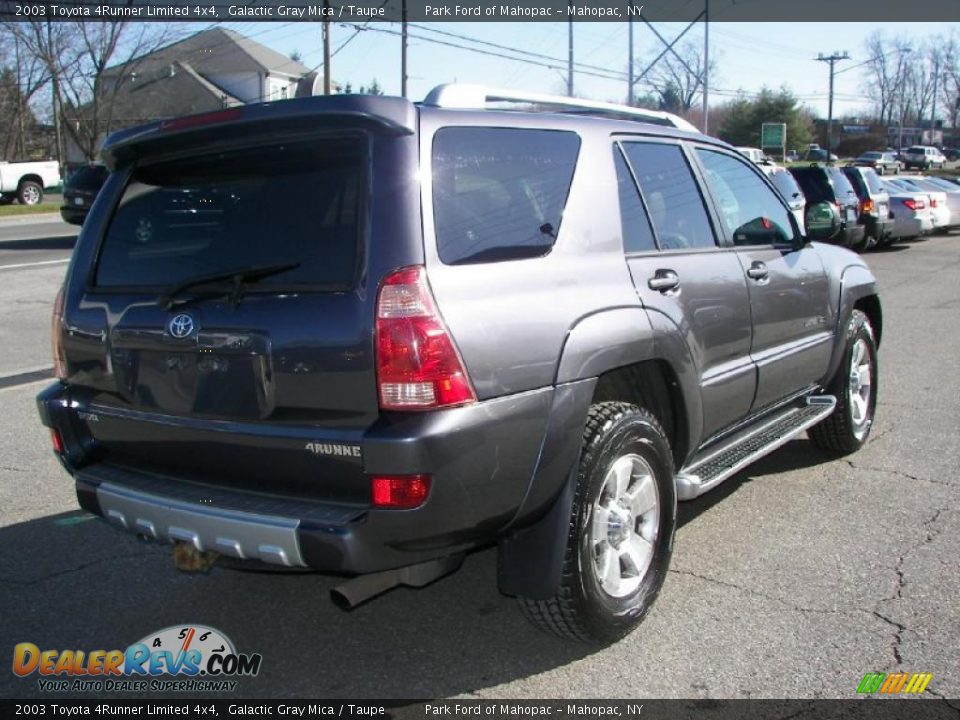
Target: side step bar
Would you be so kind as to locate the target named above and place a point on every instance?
(744, 448)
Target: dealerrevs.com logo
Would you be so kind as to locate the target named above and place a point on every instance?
(178, 658)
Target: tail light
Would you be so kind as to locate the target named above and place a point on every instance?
(56, 338)
(914, 204)
(933, 202)
(867, 206)
(418, 366)
(57, 441)
(210, 118)
(400, 492)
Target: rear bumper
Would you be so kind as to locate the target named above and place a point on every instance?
(879, 228)
(74, 216)
(481, 459)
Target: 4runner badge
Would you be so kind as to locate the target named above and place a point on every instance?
(334, 449)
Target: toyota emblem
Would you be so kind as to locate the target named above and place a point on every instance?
(181, 325)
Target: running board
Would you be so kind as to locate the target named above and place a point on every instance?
(748, 446)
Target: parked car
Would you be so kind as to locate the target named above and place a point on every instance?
(757, 156)
(80, 192)
(936, 200)
(788, 188)
(952, 153)
(923, 157)
(26, 181)
(830, 185)
(874, 205)
(951, 195)
(388, 374)
(882, 162)
(912, 216)
(819, 155)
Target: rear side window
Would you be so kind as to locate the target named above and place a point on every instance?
(499, 193)
(635, 225)
(297, 202)
(671, 195)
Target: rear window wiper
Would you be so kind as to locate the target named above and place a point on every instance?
(239, 277)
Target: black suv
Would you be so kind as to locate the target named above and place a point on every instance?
(80, 191)
(829, 185)
(463, 326)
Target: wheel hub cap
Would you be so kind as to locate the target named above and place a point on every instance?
(625, 523)
(859, 387)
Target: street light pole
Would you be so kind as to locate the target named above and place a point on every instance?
(832, 60)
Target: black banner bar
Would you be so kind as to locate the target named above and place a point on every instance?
(353, 11)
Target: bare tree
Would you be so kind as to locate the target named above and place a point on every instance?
(76, 56)
(677, 80)
(885, 76)
(950, 78)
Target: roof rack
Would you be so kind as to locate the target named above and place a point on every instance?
(463, 96)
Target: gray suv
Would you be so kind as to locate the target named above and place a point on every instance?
(539, 326)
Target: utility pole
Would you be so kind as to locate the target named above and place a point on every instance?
(403, 49)
(570, 52)
(832, 60)
(326, 47)
(706, 64)
(936, 81)
(629, 57)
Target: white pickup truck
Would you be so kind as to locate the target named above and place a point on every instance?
(26, 181)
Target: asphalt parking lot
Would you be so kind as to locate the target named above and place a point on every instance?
(793, 579)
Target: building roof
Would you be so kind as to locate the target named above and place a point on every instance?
(213, 51)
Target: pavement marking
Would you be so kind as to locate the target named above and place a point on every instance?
(25, 378)
(34, 264)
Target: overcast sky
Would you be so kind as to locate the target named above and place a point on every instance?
(748, 55)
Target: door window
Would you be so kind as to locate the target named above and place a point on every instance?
(749, 209)
(676, 208)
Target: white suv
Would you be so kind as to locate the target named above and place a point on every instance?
(923, 157)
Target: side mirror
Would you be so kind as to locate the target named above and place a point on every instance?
(821, 221)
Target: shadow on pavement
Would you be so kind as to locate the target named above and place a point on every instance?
(71, 581)
(64, 242)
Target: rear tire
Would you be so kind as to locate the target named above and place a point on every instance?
(855, 387)
(621, 529)
(29, 193)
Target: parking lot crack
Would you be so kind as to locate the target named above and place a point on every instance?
(755, 593)
(898, 636)
(79, 568)
(899, 473)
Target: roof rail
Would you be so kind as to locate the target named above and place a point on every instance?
(463, 96)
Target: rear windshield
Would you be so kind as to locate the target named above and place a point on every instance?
(297, 202)
(841, 185)
(859, 186)
(917, 150)
(814, 184)
(499, 193)
(784, 182)
(873, 181)
(89, 177)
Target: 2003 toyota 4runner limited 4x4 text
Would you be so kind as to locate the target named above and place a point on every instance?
(365, 336)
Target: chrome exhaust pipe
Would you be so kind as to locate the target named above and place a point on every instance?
(358, 590)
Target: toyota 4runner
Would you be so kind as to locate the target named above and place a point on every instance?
(365, 336)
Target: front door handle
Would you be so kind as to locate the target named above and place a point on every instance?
(664, 280)
(758, 271)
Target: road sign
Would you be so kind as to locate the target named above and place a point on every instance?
(773, 135)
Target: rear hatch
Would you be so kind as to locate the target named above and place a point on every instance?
(220, 311)
(83, 186)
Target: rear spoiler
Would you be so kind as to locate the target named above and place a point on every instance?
(396, 116)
